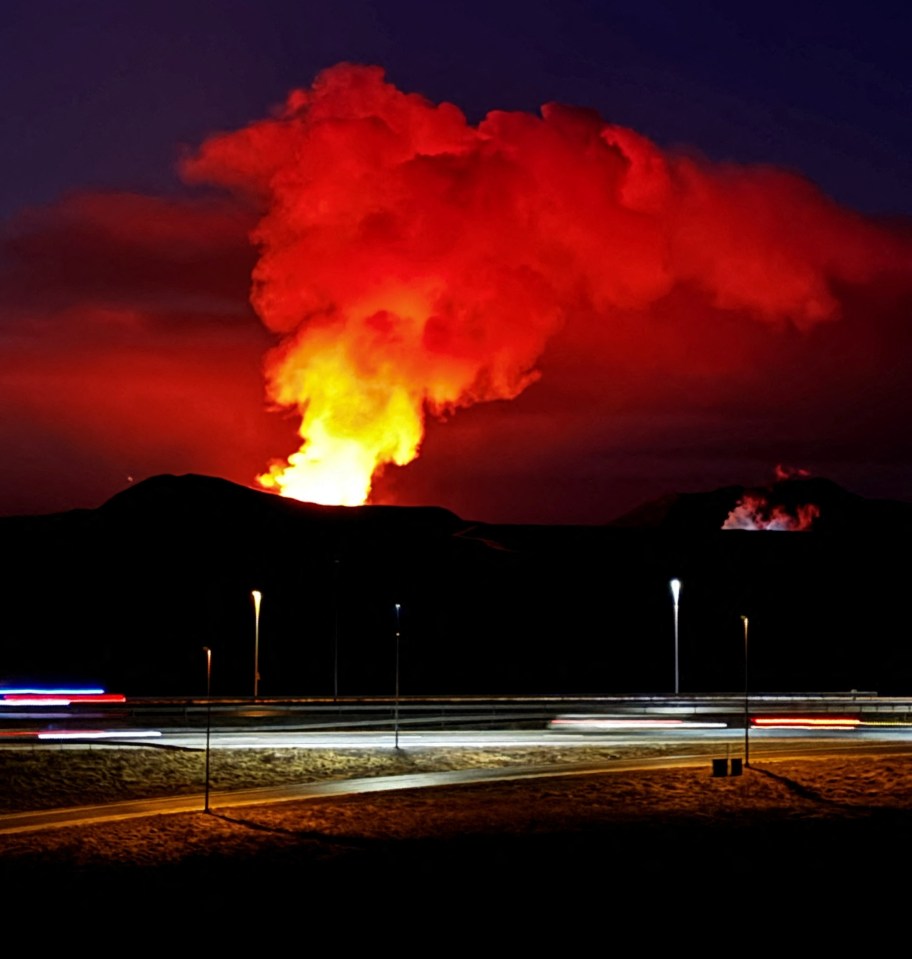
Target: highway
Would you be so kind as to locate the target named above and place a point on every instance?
(684, 734)
(25, 717)
(722, 721)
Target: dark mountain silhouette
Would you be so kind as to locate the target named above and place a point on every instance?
(128, 594)
(839, 510)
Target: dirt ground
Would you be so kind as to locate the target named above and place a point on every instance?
(827, 834)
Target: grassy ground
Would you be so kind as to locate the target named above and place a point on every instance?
(681, 837)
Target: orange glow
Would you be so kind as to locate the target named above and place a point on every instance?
(347, 433)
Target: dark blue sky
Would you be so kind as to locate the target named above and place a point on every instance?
(104, 93)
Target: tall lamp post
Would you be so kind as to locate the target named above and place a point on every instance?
(208, 653)
(257, 597)
(336, 629)
(746, 712)
(675, 595)
(396, 706)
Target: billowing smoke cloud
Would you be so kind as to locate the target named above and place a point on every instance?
(662, 323)
(412, 264)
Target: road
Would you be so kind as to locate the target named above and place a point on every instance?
(134, 717)
(684, 746)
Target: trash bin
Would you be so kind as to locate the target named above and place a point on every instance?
(720, 767)
(736, 765)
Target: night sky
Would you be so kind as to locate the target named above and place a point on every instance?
(718, 285)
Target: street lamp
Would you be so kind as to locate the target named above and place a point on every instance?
(746, 712)
(396, 708)
(257, 597)
(336, 562)
(675, 594)
(208, 653)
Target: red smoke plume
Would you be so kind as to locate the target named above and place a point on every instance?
(412, 264)
(790, 472)
(755, 512)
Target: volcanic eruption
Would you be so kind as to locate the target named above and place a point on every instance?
(411, 263)
(758, 510)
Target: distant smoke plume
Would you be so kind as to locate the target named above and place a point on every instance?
(757, 510)
(411, 264)
(790, 472)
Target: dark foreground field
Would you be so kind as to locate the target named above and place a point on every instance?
(820, 843)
